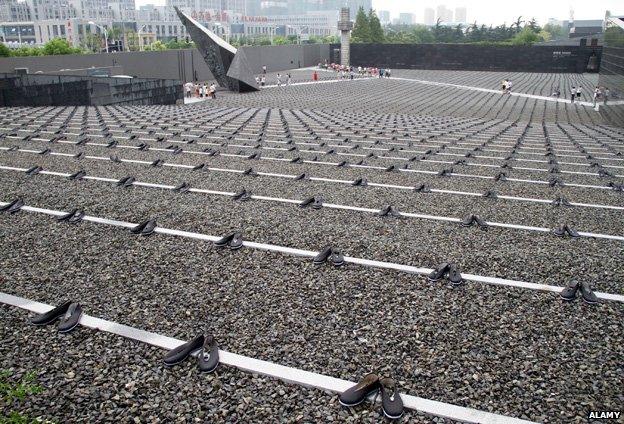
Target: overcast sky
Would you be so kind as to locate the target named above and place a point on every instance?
(497, 12)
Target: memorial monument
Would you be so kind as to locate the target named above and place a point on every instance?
(345, 26)
(228, 65)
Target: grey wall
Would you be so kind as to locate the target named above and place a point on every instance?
(67, 90)
(184, 65)
(470, 57)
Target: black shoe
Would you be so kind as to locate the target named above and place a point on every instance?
(438, 273)
(572, 232)
(145, 228)
(225, 240)
(236, 242)
(569, 293)
(208, 358)
(336, 258)
(391, 402)
(72, 217)
(180, 353)
(182, 188)
(323, 255)
(389, 211)
(307, 202)
(454, 275)
(358, 393)
(422, 188)
(481, 222)
(71, 318)
(587, 293)
(52, 315)
(467, 221)
(13, 207)
(560, 231)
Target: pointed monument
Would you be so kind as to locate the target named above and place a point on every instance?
(228, 65)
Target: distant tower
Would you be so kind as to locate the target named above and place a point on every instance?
(345, 26)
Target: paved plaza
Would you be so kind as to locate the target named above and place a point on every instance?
(389, 173)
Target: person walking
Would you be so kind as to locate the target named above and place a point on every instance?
(572, 94)
(509, 85)
(279, 79)
(578, 93)
(202, 91)
(213, 90)
(262, 81)
(264, 69)
(596, 95)
(288, 79)
(504, 86)
(188, 87)
(607, 93)
(196, 90)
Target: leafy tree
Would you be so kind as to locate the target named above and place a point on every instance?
(517, 26)
(59, 46)
(376, 31)
(361, 30)
(157, 46)
(533, 26)
(526, 37)
(4, 50)
(555, 31)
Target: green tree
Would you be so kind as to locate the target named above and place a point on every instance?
(375, 29)
(361, 30)
(59, 46)
(4, 50)
(555, 31)
(533, 26)
(526, 37)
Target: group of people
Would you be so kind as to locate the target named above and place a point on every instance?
(349, 72)
(200, 90)
(506, 86)
(600, 93)
(279, 80)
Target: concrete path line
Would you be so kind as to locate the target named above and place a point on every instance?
(288, 374)
(311, 254)
(489, 90)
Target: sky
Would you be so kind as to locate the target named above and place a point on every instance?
(497, 12)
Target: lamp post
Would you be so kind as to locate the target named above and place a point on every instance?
(103, 30)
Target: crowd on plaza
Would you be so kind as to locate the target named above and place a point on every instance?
(200, 90)
(347, 72)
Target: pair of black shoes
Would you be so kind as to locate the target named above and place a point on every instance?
(328, 252)
(446, 269)
(565, 229)
(391, 402)
(68, 313)
(207, 353)
(569, 293)
(233, 240)
(474, 219)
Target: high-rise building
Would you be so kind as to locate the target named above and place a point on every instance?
(384, 17)
(406, 18)
(429, 16)
(14, 11)
(461, 15)
(444, 14)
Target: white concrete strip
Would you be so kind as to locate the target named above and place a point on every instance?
(487, 90)
(308, 253)
(289, 374)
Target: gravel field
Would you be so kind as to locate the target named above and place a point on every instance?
(512, 351)
(479, 346)
(92, 376)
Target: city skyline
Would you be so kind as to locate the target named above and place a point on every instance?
(483, 12)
